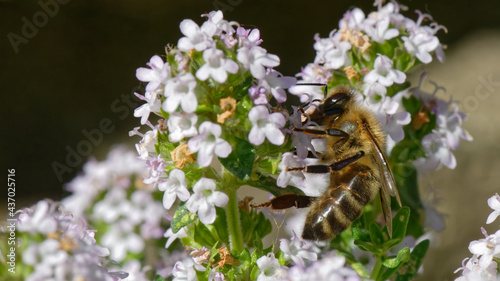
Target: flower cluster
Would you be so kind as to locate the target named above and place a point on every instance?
(111, 193)
(215, 120)
(60, 246)
(445, 137)
(483, 265)
(372, 53)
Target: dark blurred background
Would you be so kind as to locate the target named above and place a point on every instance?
(72, 74)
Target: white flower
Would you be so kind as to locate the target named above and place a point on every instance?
(381, 32)
(383, 73)
(47, 253)
(449, 124)
(204, 200)
(38, 219)
(301, 141)
(175, 186)
(257, 59)
(146, 146)
(180, 91)
(181, 125)
(216, 66)
(265, 125)
(486, 248)
(437, 152)
(223, 26)
(472, 271)
(312, 184)
(196, 38)
(390, 115)
(298, 249)
(352, 19)
(173, 236)
(331, 52)
(208, 143)
(249, 38)
(270, 269)
(156, 170)
(152, 104)
(289, 160)
(312, 73)
(420, 44)
(330, 267)
(120, 239)
(276, 84)
(494, 203)
(156, 76)
(184, 271)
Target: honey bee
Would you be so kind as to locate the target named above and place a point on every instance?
(355, 160)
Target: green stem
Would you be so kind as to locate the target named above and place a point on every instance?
(232, 213)
(377, 268)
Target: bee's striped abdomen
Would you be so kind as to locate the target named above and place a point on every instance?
(342, 203)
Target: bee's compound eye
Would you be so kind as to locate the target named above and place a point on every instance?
(336, 99)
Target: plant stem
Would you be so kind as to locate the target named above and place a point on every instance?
(376, 268)
(232, 213)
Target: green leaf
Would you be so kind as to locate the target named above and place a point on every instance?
(368, 247)
(393, 264)
(201, 275)
(254, 273)
(406, 181)
(240, 161)
(203, 236)
(402, 257)
(164, 146)
(404, 62)
(159, 278)
(360, 229)
(182, 217)
(399, 222)
(220, 226)
(376, 235)
(244, 258)
(262, 226)
(241, 90)
(281, 257)
(415, 261)
(255, 227)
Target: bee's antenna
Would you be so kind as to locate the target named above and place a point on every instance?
(315, 84)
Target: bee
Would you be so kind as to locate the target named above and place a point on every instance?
(355, 160)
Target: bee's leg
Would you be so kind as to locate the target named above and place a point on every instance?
(322, 133)
(287, 201)
(323, 169)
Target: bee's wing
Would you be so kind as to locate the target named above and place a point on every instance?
(388, 183)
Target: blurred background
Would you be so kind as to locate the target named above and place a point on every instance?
(68, 77)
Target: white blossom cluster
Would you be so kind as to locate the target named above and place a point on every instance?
(112, 192)
(67, 249)
(355, 37)
(483, 265)
(439, 144)
(176, 89)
